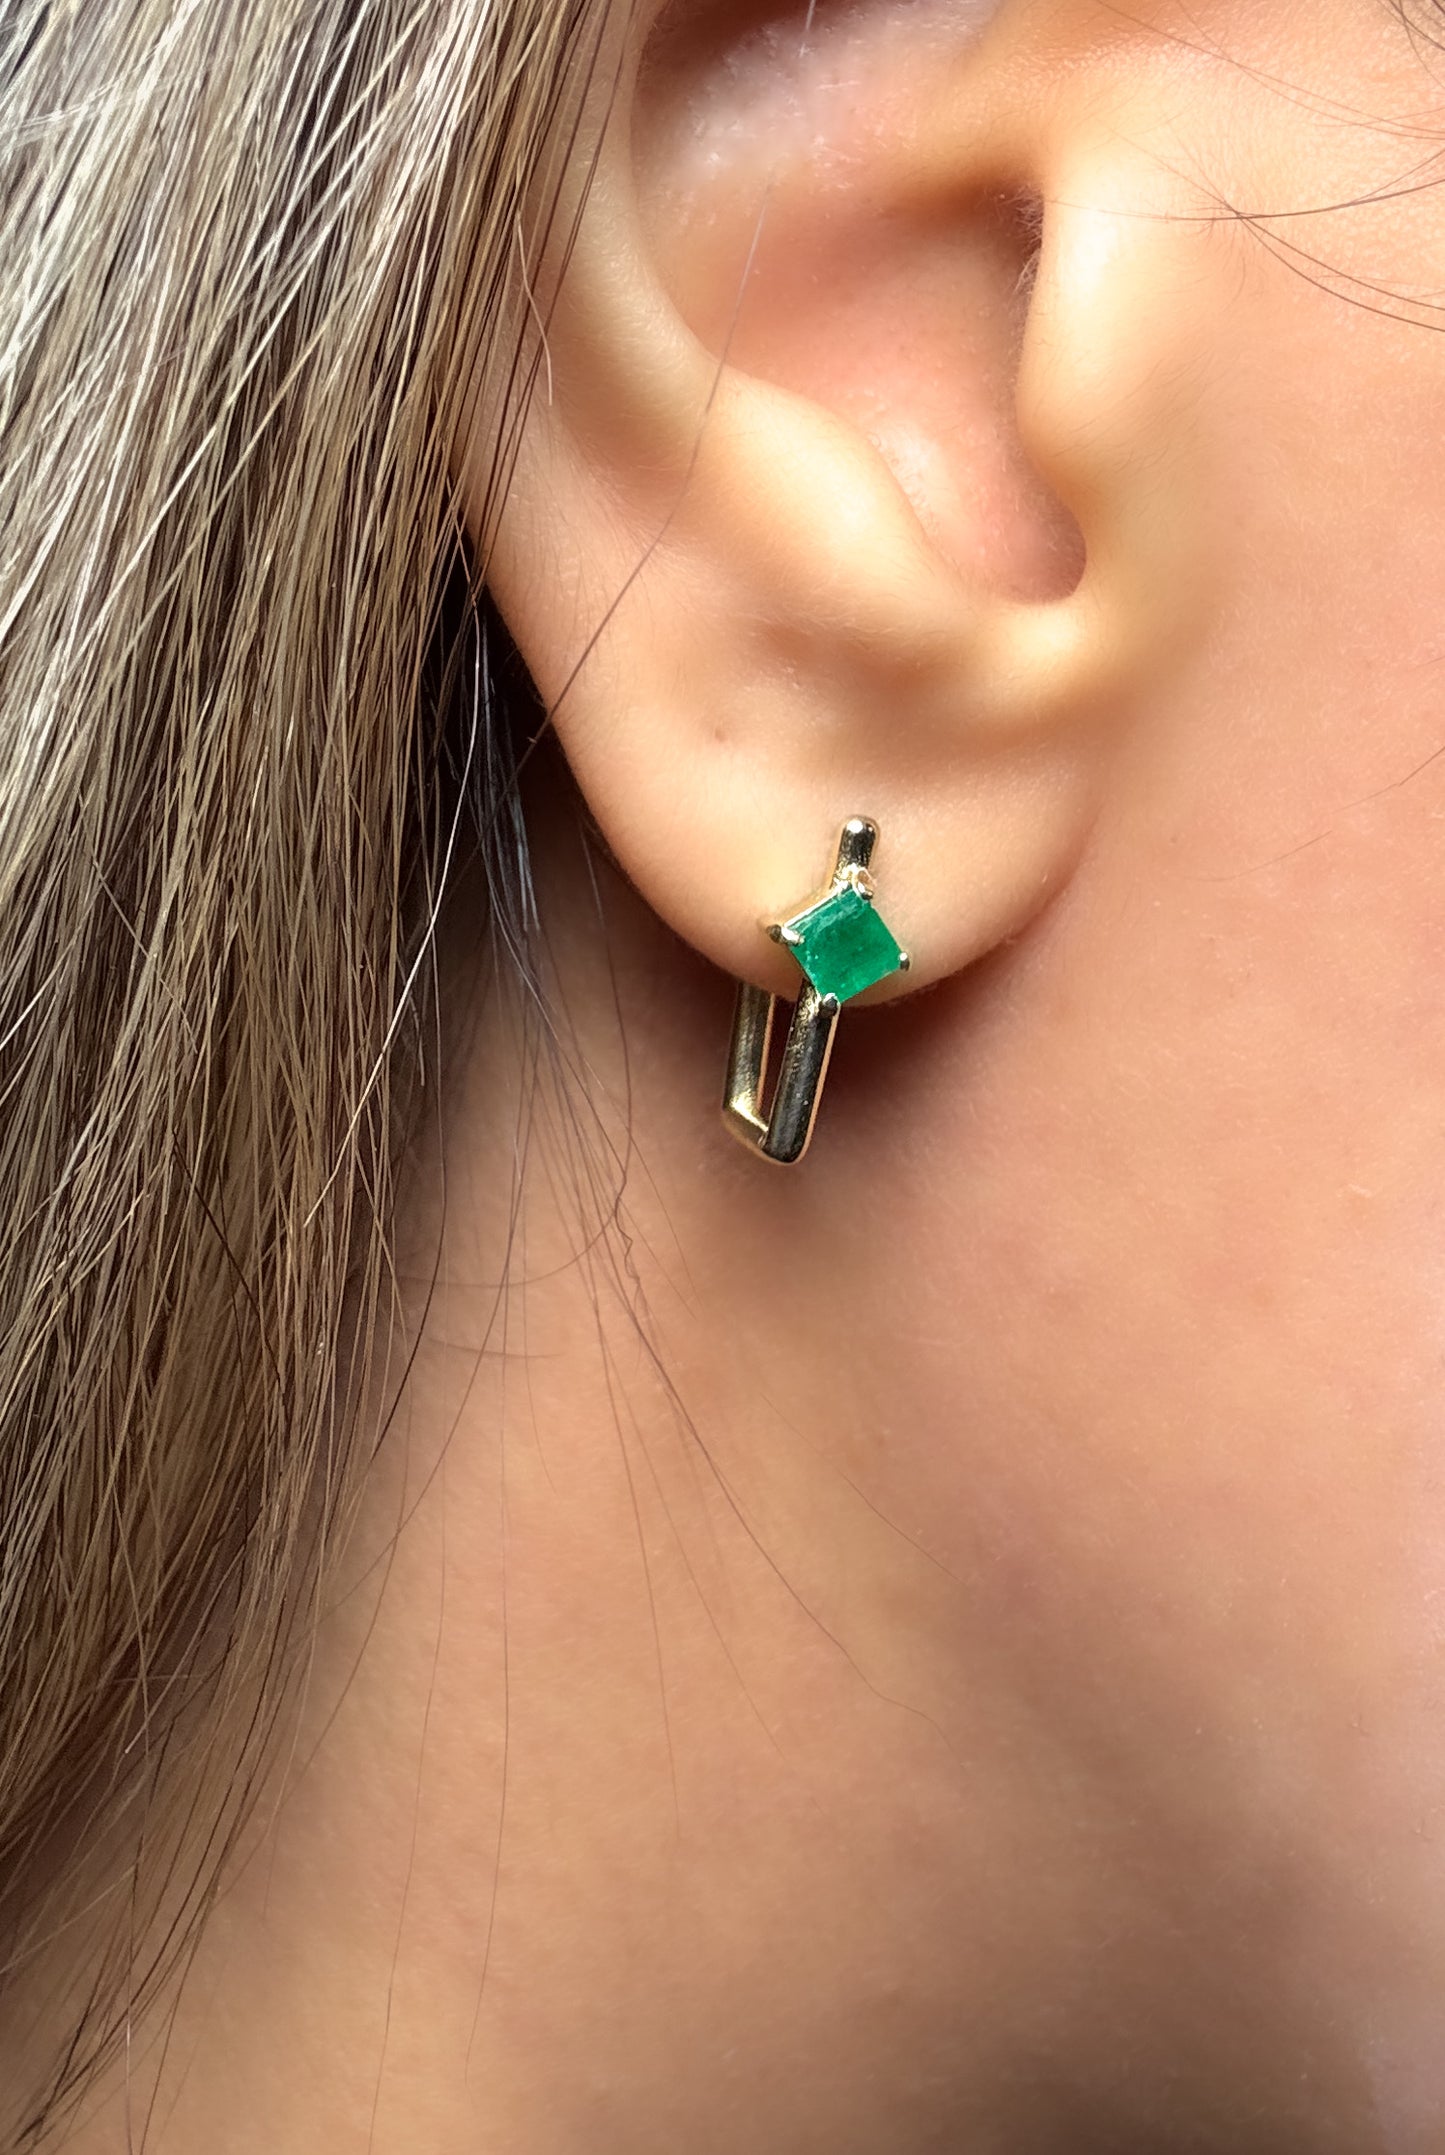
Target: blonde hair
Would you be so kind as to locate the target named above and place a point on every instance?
(258, 263)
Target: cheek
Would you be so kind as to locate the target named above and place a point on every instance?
(1172, 1356)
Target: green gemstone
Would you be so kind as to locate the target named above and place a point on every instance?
(842, 945)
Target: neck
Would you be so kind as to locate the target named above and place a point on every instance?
(671, 1774)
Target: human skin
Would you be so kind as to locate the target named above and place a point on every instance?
(938, 1648)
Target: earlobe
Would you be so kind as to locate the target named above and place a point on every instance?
(783, 547)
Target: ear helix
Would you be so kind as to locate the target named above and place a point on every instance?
(842, 946)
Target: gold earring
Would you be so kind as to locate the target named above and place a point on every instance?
(842, 946)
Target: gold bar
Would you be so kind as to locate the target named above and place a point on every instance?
(784, 1137)
(747, 1062)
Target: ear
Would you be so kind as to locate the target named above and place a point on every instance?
(847, 488)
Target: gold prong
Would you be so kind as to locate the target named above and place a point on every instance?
(857, 879)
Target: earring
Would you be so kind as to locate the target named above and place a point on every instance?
(842, 946)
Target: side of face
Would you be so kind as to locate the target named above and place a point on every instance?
(1023, 424)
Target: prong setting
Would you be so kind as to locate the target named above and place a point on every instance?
(842, 947)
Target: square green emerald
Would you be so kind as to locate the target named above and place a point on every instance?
(842, 945)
